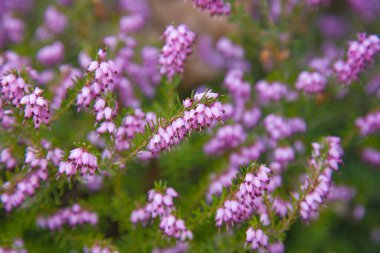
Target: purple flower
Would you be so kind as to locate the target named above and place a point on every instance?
(273, 92)
(257, 239)
(369, 123)
(7, 159)
(51, 54)
(283, 155)
(369, 10)
(332, 26)
(233, 54)
(72, 216)
(214, 7)
(279, 128)
(198, 118)
(239, 90)
(13, 29)
(132, 125)
(55, 21)
(247, 199)
(311, 82)
(178, 42)
(251, 117)
(132, 23)
(15, 194)
(373, 87)
(13, 88)
(371, 156)
(36, 106)
(360, 54)
(80, 160)
(227, 137)
(325, 159)
(173, 227)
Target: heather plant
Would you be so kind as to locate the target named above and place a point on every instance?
(112, 139)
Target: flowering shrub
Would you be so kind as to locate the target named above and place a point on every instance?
(123, 132)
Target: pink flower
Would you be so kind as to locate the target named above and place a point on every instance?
(317, 188)
(214, 7)
(368, 124)
(198, 118)
(227, 137)
(246, 199)
(80, 160)
(239, 89)
(72, 216)
(13, 88)
(273, 92)
(311, 82)
(178, 42)
(257, 239)
(360, 54)
(7, 159)
(36, 106)
(51, 54)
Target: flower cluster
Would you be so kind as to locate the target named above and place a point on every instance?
(246, 199)
(273, 92)
(14, 196)
(227, 137)
(341, 192)
(311, 82)
(367, 10)
(161, 205)
(72, 216)
(12, 29)
(51, 54)
(131, 125)
(80, 160)
(104, 112)
(180, 247)
(55, 23)
(247, 154)
(7, 159)
(104, 75)
(25, 186)
(359, 55)
(238, 89)
(372, 156)
(132, 23)
(36, 106)
(176, 228)
(237, 159)
(232, 54)
(178, 42)
(7, 119)
(200, 117)
(279, 128)
(146, 75)
(325, 159)
(281, 207)
(373, 86)
(97, 248)
(69, 74)
(369, 124)
(282, 156)
(257, 239)
(158, 205)
(214, 7)
(225, 55)
(13, 88)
